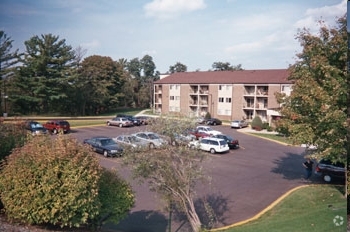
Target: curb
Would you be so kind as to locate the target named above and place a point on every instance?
(257, 216)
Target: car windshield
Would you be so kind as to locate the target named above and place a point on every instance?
(228, 137)
(222, 142)
(105, 142)
(63, 123)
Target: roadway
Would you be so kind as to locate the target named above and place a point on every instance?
(243, 181)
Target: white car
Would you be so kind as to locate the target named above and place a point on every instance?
(208, 130)
(213, 145)
(152, 139)
(130, 141)
(239, 124)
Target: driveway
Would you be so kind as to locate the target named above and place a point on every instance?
(244, 182)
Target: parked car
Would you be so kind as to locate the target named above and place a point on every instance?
(231, 142)
(208, 130)
(213, 145)
(143, 119)
(130, 141)
(134, 120)
(153, 140)
(35, 128)
(183, 138)
(239, 124)
(330, 170)
(105, 146)
(213, 121)
(120, 121)
(199, 134)
(55, 126)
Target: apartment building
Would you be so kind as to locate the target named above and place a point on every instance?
(227, 95)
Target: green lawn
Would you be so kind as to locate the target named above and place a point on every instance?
(311, 208)
(275, 137)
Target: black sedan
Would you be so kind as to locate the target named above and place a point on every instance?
(104, 145)
(213, 121)
(232, 143)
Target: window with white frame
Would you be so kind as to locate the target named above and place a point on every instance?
(172, 98)
(228, 100)
(221, 99)
(177, 98)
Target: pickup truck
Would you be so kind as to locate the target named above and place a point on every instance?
(56, 126)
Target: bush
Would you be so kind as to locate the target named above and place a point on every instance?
(207, 116)
(116, 198)
(12, 135)
(265, 125)
(257, 123)
(51, 181)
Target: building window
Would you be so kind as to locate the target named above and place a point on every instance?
(172, 98)
(177, 98)
(220, 87)
(228, 100)
(221, 99)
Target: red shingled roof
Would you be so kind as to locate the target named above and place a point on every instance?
(271, 76)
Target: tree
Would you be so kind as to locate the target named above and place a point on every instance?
(99, 84)
(171, 171)
(178, 67)
(42, 79)
(8, 60)
(315, 112)
(225, 66)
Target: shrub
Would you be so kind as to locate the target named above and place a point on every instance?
(257, 123)
(207, 116)
(51, 181)
(265, 125)
(116, 198)
(12, 135)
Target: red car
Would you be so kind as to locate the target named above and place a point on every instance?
(56, 126)
(199, 134)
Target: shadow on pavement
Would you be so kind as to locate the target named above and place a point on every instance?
(210, 209)
(290, 166)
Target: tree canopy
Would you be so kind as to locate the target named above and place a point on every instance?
(225, 66)
(178, 67)
(316, 111)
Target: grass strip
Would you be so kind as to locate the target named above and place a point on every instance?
(313, 208)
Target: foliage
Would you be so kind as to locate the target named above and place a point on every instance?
(8, 60)
(315, 112)
(116, 198)
(53, 181)
(42, 76)
(257, 123)
(178, 67)
(225, 66)
(12, 135)
(171, 171)
(99, 84)
(207, 116)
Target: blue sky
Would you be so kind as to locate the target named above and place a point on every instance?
(197, 33)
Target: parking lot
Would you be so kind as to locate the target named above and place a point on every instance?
(244, 181)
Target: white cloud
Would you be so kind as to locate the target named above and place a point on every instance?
(328, 14)
(169, 8)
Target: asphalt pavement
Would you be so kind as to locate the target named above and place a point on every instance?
(243, 183)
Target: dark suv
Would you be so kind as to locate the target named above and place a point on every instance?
(330, 170)
(35, 128)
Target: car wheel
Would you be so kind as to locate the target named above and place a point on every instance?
(192, 146)
(327, 178)
(151, 145)
(120, 125)
(55, 131)
(108, 124)
(105, 153)
(214, 123)
(212, 151)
